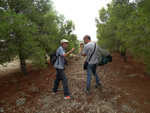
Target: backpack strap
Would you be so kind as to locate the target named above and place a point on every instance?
(58, 58)
(93, 52)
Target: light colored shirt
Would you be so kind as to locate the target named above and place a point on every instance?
(60, 62)
(88, 50)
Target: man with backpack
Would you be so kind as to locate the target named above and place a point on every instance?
(59, 65)
(92, 51)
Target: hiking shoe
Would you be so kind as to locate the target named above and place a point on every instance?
(99, 87)
(57, 92)
(88, 92)
(68, 97)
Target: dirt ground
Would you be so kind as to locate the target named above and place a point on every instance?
(126, 89)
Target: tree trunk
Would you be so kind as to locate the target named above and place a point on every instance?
(124, 55)
(125, 58)
(22, 63)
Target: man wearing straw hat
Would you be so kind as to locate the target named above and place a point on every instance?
(60, 67)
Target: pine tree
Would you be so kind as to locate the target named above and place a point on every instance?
(30, 30)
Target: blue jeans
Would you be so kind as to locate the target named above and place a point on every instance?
(61, 76)
(91, 68)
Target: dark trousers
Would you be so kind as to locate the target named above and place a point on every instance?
(61, 76)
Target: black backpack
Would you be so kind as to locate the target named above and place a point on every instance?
(53, 57)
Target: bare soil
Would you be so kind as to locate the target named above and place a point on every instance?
(125, 89)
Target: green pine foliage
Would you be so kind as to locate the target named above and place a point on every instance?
(30, 30)
(126, 25)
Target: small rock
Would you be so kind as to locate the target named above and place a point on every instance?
(9, 109)
(128, 67)
(27, 110)
(47, 79)
(2, 101)
(34, 89)
(128, 109)
(2, 110)
(14, 111)
(20, 109)
(80, 73)
(105, 107)
(5, 65)
(127, 93)
(20, 101)
(135, 102)
(14, 81)
(132, 75)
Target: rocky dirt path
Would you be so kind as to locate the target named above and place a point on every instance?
(9, 67)
(125, 90)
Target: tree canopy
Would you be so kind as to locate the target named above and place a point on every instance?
(30, 30)
(125, 25)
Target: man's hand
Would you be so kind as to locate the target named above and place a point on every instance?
(66, 54)
(81, 46)
(72, 49)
